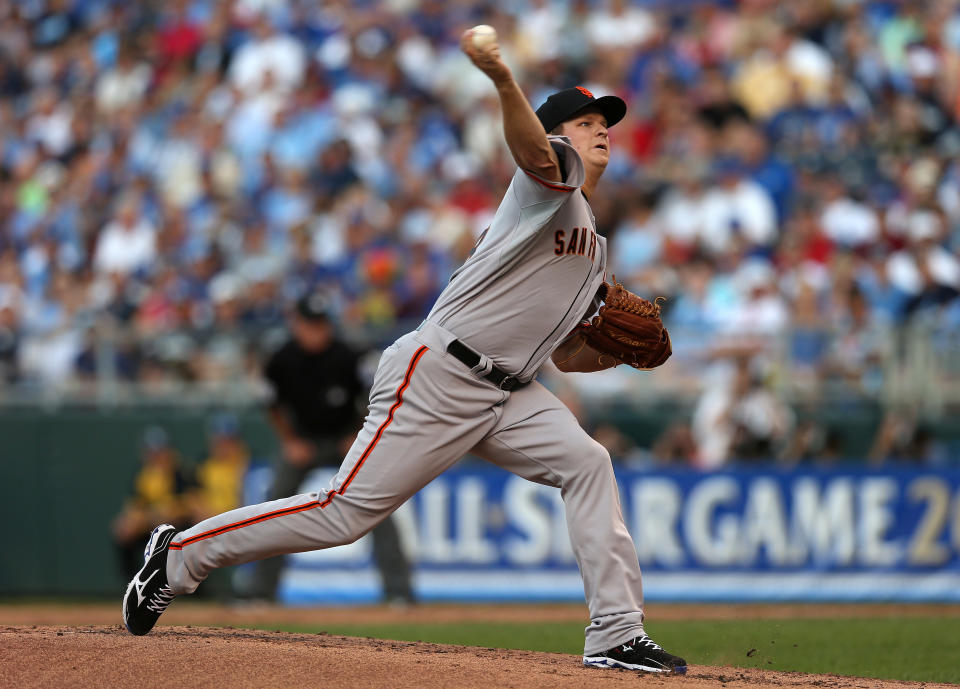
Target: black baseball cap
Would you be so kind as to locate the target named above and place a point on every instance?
(156, 438)
(313, 307)
(563, 105)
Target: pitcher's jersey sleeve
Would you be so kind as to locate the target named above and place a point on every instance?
(531, 189)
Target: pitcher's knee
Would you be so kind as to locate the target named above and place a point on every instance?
(593, 460)
(348, 533)
(354, 524)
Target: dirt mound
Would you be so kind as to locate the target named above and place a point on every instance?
(106, 656)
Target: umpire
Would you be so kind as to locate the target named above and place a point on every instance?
(317, 391)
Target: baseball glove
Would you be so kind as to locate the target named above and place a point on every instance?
(626, 330)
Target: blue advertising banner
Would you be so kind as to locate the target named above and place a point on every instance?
(479, 533)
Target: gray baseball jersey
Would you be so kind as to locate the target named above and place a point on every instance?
(530, 279)
(533, 274)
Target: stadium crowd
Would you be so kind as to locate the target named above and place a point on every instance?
(176, 173)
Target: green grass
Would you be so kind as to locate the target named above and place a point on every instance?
(919, 649)
(923, 649)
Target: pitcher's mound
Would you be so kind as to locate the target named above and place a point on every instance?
(107, 656)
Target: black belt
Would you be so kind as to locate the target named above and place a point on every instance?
(470, 358)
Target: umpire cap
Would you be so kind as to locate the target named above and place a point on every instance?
(155, 438)
(563, 105)
(313, 307)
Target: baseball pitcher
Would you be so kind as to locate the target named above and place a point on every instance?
(465, 382)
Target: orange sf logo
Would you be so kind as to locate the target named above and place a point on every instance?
(584, 92)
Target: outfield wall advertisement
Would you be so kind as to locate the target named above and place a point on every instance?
(479, 533)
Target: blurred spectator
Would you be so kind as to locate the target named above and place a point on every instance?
(128, 242)
(9, 341)
(716, 103)
(737, 212)
(813, 442)
(124, 84)
(810, 334)
(53, 335)
(49, 125)
(740, 418)
(637, 245)
(761, 311)
(161, 494)
(619, 24)
(682, 212)
(220, 476)
(926, 272)
(901, 437)
(857, 353)
(675, 445)
(750, 145)
(269, 60)
(847, 222)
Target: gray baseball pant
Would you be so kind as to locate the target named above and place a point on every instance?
(388, 552)
(427, 410)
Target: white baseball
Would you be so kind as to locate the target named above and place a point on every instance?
(482, 36)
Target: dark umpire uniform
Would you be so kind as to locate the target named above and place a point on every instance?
(317, 386)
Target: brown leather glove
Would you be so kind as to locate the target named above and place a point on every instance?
(626, 330)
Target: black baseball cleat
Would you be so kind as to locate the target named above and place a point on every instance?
(148, 594)
(641, 654)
